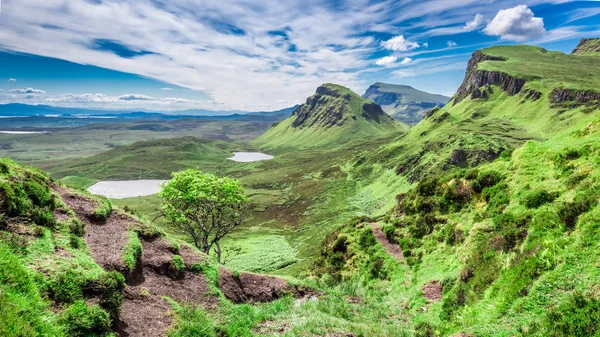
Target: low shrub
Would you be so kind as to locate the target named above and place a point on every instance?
(133, 251)
(537, 198)
(43, 217)
(497, 198)
(102, 212)
(578, 316)
(39, 194)
(13, 199)
(485, 180)
(76, 227)
(109, 288)
(192, 321)
(569, 212)
(177, 266)
(67, 286)
(79, 319)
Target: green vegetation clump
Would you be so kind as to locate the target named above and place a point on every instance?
(133, 251)
(535, 199)
(577, 316)
(103, 210)
(68, 286)
(80, 319)
(192, 321)
(109, 288)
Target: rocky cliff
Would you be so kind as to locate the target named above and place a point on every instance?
(587, 46)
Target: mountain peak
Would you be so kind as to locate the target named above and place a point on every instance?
(403, 102)
(332, 116)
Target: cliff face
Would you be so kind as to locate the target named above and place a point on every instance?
(561, 95)
(329, 107)
(587, 46)
(476, 79)
(404, 103)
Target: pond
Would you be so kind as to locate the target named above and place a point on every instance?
(248, 157)
(126, 189)
(23, 132)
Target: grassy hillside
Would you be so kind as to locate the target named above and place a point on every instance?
(334, 115)
(404, 103)
(155, 159)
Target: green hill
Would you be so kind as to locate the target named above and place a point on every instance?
(404, 103)
(334, 115)
(154, 159)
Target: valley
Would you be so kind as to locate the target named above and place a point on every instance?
(476, 215)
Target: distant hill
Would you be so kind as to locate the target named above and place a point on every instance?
(26, 110)
(332, 116)
(403, 102)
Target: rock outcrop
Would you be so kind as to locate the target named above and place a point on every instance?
(587, 46)
(586, 97)
(475, 79)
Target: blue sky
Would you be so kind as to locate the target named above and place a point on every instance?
(258, 55)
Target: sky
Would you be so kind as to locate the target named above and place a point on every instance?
(251, 55)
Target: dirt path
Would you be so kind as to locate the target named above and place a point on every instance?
(393, 249)
(144, 311)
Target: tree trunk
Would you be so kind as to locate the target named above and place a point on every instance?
(218, 251)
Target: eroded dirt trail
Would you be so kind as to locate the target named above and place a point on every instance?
(393, 249)
(144, 311)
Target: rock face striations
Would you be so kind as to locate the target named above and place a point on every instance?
(404, 103)
(587, 46)
(332, 116)
(476, 79)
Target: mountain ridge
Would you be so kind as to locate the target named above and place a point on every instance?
(404, 103)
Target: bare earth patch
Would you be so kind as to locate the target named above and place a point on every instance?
(432, 291)
(393, 249)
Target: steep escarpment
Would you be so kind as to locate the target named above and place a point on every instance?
(475, 79)
(404, 103)
(334, 115)
(591, 45)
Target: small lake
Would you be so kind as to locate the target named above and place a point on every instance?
(248, 157)
(23, 132)
(126, 189)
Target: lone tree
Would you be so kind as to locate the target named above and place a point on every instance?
(205, 206)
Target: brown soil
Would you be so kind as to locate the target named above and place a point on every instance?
(433, 291)
(105, 241)
(393, 249)
(255, 288)
(144, 311)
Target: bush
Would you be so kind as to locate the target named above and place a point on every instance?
(79, 319)
(537, 198)
(427, 186)
(13, 199)
(102, 212)
(39, 194)
(486, 180)
(133, 251)
(568, 212)
(67, 286)
(109, 288)
(497, 198)
(177, 265)
(578, 316)
(43, 217)
(76, 227)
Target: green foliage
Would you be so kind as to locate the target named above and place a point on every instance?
(76, 227)
(537, 198)
(177, 264)
(577, 316)
(192, 321)
(486, 180)
(43, 217)
(24, 312)
(210, 271)
(103, 210)
(79, 319)
(206, 207)
(583, 202)
(133, 251)
(39, 193)
(497, 198)
(67, 286)
(14, 198)
(109, 288)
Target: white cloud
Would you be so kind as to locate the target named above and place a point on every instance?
(517, 24)
(399, 43)
(406, 61)
(451, 44)
(12, 80)
(167, 89)
(386, 61)
(425, 44)
(474, 24)
(134, 97)
(26, 91)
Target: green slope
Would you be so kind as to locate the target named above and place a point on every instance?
(334, 115)
(404, 103)
(155, 159)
